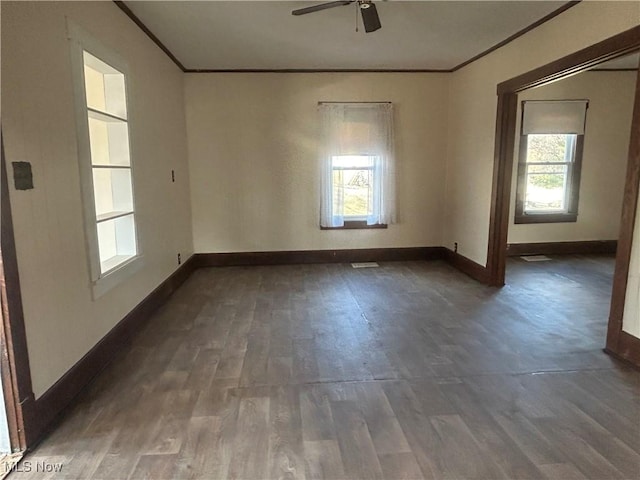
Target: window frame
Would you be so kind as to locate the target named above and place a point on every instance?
(81, 41)
(356, 222)
(574, 174)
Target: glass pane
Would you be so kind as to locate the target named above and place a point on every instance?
(109, 142)
(116, 241)
(352, 161)
(356, 188)
(94, 87)
(546, 192)
(112, 191)
(104, 86)
(549, 148)
(546, 168)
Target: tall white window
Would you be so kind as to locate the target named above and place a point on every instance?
(106, 171)
(358, 166)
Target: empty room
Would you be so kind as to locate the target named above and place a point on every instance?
(320, 240)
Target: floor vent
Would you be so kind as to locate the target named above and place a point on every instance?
(535, 258)
(365, 265)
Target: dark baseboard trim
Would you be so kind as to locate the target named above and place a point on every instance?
(465, 265)
(627, 350)
(318, 256)
(52, 404)
(562, 248)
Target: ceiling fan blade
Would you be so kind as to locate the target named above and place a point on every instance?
(322, 6)
(370, 18)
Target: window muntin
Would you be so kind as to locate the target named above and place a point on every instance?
(111, 179)
(548, 167)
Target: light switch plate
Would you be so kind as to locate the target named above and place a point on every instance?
(22, 175)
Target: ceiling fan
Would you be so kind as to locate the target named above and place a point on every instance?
(368, 10)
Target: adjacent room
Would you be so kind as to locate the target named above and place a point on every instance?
(343, 240)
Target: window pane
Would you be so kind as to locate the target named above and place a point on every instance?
(549, 148)
(545, 192)
(116, 241)
(353, 161)
(109, 142)
(355, 188)
(547, 168)
(112, 190)
(104, 86)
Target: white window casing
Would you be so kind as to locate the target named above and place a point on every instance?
(101, 83)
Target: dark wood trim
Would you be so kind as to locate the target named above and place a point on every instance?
(627, 350)
(313, 70)
(467, 266)
(510, 39)
(563, 248)
(545, 218)
(617, 340)
(16, 373)
(122, 6)
(501, 187)
(356, 225)
(53, 403)
(582, 60)
(318, 256)
(575, 173)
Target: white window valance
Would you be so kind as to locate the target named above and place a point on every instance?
(554, 116)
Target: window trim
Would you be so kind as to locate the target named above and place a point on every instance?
(356, 222)
(573, 180)
(80, 41)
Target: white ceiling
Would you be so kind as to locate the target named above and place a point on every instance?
(263, 35)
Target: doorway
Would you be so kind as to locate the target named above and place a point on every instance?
(617, 46)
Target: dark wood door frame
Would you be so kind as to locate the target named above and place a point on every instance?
(618, 343)
(14, 357)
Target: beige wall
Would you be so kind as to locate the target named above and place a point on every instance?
(252, 142)
(38, 124)
(472, 110)
(604, 160)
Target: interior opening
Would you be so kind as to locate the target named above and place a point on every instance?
(568, 180)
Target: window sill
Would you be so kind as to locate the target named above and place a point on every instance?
(356, 225)
(546, 218)
(116, 276)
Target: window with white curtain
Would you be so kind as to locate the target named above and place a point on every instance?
(358, 166)
(550, 161)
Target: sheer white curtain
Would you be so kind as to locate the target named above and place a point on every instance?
(358, 129)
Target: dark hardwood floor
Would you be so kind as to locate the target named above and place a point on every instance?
(407, 371)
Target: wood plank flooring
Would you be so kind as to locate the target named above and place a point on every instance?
(407, 371)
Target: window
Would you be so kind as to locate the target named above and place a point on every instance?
(105, 160)
(358, 165)
(550, 161)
